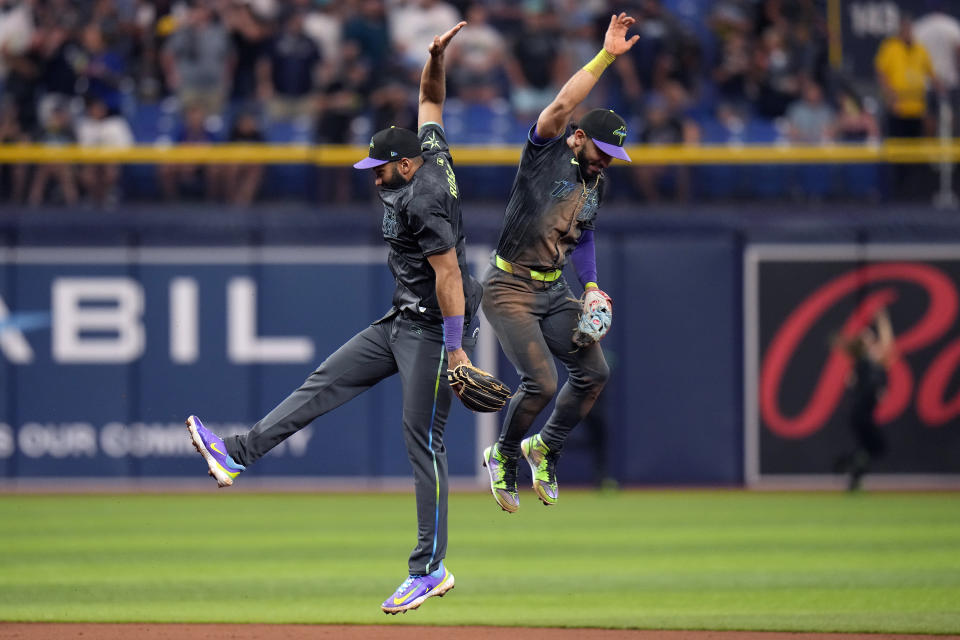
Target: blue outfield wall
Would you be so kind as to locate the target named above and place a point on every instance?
(115, 327)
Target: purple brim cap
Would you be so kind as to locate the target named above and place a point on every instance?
(611, 150)
(369, 163)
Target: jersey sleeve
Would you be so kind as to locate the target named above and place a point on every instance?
(536, 147)
(433, 140)
(430, 212)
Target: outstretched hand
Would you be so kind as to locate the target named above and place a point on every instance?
(615, 41)
(440, 42)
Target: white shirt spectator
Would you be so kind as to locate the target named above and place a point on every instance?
(325, 31)
(112, 131)
(939, 34)
(414, 24)
(16, 32)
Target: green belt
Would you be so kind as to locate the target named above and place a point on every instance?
(517, 270)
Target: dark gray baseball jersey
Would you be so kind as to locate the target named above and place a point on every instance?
(423, 218)
(550, 205)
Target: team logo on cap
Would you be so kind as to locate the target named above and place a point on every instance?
(621, 133)
(371, 143)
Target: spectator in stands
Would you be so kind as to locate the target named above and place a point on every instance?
(853, 122)
(344, 96)
(939, 33)
(194, 59)
(730, 75)
(16, 35)
(810, 120)
(101, 128)
(773, 81)
(13, 177)
(287, 74)
(323, 23)
(100, 70)
(903, 69)
(242, 181)
(367, 29)
(22, 62)
(413, 24)
(344, 102)
(477, 58)
(728, 17)
(59, 53)
(542, 67)
(394, 104)
(663, 51)
(664, 124)
(248, 38)
(152, 26)
(192, 180)
(57, 131)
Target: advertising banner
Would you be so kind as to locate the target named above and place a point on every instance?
(105, 351)
(797, 298)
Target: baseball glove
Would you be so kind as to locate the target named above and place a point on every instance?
(596, 315)
(478, 390)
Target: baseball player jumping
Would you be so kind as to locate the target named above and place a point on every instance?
(432, 318)
(550, 218)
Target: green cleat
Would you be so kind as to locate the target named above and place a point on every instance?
(503, 478)
(543, 466)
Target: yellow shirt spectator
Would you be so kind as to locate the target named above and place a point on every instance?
(904, 69)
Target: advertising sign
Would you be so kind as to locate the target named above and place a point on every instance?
(797, 387)
(104, 352)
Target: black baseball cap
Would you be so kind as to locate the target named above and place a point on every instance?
(607, 130)
(389, 145)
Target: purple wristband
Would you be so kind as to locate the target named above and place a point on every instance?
(453, 332)
(584, 258)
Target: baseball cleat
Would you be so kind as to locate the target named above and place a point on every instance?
(416, 589)
(503, 478)
(543, 466)
(221, 466)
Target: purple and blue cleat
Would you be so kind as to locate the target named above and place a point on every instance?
(416, 589)
(222, 467)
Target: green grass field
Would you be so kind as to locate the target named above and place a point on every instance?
(875, 562)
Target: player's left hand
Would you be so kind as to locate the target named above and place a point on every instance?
(596, 316)
(440, 43)
(615, 41)
(457, 357)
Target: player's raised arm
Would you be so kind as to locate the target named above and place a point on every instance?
(554, 118)
(433, 81)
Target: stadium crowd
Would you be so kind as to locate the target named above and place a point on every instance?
(120, 72)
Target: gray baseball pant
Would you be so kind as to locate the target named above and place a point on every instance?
(394, 344)
(534, 322)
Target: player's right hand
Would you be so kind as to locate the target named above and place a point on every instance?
(615, 41)
(440, 42)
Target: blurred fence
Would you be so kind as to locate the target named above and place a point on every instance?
(699, 173)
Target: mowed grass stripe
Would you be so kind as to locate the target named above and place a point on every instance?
(876, 562)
